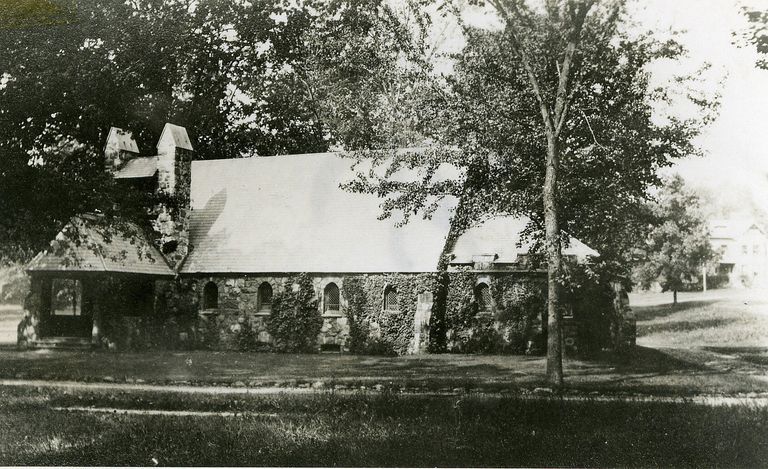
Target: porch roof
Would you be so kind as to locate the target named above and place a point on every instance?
(82, 247)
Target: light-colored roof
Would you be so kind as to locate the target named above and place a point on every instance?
(119, 139)
(288, 214)
(143, 167)
(125, 253)
(731, 229)
(176, 135)
(500, 236)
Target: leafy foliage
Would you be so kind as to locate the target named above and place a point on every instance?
(379, 332)
(678, 245)
(295, 321)
(757, 33)
(514, 326)
(242, 77)
(613, 142)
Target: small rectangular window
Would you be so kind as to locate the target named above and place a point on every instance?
(744, 249)
(756, 249)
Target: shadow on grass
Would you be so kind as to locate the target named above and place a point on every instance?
(649, 360)
(407, 431)
(737, 350)
(646, 313)
(753, 355)
(683, 326)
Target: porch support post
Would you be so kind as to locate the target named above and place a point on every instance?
(96, 329)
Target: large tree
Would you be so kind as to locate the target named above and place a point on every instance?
(554, 117)
(253, 77)
(678, 246)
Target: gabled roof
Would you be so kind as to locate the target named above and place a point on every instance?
(731, 229)
(175, 135)
(500, 236)
(288, 214)
(124, 253)
(138, 168)
(119, 139)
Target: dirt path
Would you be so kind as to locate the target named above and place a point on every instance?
(751, 399)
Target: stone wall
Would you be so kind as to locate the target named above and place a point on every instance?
(513, 323)
(437, 312)
(237, 322)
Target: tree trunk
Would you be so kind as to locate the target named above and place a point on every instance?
(554, 339)
(674, 297)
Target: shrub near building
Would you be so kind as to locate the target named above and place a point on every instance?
(295, 321)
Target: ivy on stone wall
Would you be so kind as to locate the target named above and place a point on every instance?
(513, 327)
(592, 299)
(373, 330)
(353, 291)
(295, 321)
(520, 306)
(437, 323)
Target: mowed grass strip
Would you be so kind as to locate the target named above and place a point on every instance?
(736, 322)
(381, 430)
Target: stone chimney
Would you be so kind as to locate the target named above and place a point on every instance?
(174, 156)
(173, 160)
(119, 148)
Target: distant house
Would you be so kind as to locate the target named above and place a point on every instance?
(743, 248)
(249, 226)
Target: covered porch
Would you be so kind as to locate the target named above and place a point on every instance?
(78, 287)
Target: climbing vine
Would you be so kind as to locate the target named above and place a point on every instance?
(295, 321)
(514, 326)
(374, 330)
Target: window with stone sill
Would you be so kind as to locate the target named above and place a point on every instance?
(391, 302)
(483, 298)
(331, 299)
(264, 298)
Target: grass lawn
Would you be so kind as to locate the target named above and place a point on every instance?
(376, 430)
(646, 371)
(707, 345)
(717, 318)
(10, 315)
(712, 343)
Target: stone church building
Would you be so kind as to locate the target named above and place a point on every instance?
(218, 269)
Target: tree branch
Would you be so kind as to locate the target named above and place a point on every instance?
(561, 98)
(518, 46)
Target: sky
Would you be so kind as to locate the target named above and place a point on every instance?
(734, 168)
(735, 164)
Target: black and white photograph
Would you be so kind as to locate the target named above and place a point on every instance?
(384, 233)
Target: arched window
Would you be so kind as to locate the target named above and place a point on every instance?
(483, 297)
(210, 296)
(331, 298)
(390, 299)
(265, 298)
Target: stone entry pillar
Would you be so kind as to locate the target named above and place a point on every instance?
(97, 327)
(421, 319)
(624, 329)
